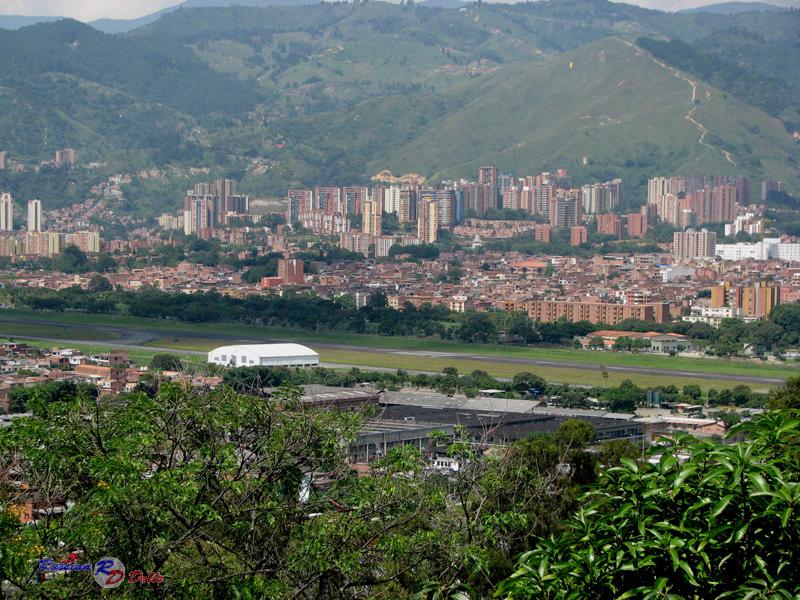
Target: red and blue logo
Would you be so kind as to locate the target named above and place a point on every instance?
(109, 572)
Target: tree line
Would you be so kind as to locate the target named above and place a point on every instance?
(310, 312)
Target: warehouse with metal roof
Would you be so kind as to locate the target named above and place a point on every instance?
(264, 355)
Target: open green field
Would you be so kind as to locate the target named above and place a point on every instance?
(56, 332)
(553, 374)
(203, 337)
(505, 370)
(348, 359)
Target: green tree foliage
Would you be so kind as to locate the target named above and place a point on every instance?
(722, 524)
(612, 452)
(211, 490)
(105, 263)
(693, 391)
(419, 251)
(625, 398)
(787, 396)
(22, 399)
(165, 362)
(158, 483)
(477, 327)
(98, 284)
(526, 382)
(71, 260)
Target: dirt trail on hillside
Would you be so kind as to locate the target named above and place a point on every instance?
(690, 116)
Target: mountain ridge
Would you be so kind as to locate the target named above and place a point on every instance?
(734, 8)
(333, 93)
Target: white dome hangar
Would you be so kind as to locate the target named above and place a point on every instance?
(264, 355)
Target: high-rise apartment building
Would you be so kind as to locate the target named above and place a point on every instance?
(635, 225)
(723, 204)
(687, 218)
(591, 198)
(407, 211)
(290, 271)
(565, 208)
(543, 196)
(770, 186)
(445, 206)
(613, 194)
(485, 197)
(11, 245)
(300, 202)
(6, 212)
(65, 158)
(328, 199)
(371, 223)
(526, 199)
(428, 220)
(198, 214)
(610, 224)
(87, 241)
(236, 204)
(693, 245)
(35, 215)
(512, 198)
(354, 198)
(578, 234)
(756, 300)
(598, 198)
(541, 232)
(487, 176)
(169, 221)
(228, 200)
(42, 243)
(391, 199)
(504, 181)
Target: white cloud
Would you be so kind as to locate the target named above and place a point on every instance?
(84, 10)
(673, 5)
(88, 10)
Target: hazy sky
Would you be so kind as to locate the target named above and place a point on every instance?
(88, 10)
(84, 10)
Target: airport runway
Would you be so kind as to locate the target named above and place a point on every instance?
(136, 338)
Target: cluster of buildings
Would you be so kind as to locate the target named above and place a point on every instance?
(64, 157)
(692, 245)
(26, 366)
(690, 201)
(207, 207)
(35, 241)
(548, 197)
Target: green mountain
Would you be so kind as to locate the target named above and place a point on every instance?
(66, 84)
(299, 95)
(734, 8)
(617, 107)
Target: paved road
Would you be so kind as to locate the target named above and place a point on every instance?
(135, 338)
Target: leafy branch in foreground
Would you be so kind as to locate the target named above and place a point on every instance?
(703, 521)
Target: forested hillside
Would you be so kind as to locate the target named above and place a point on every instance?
(332, 93)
